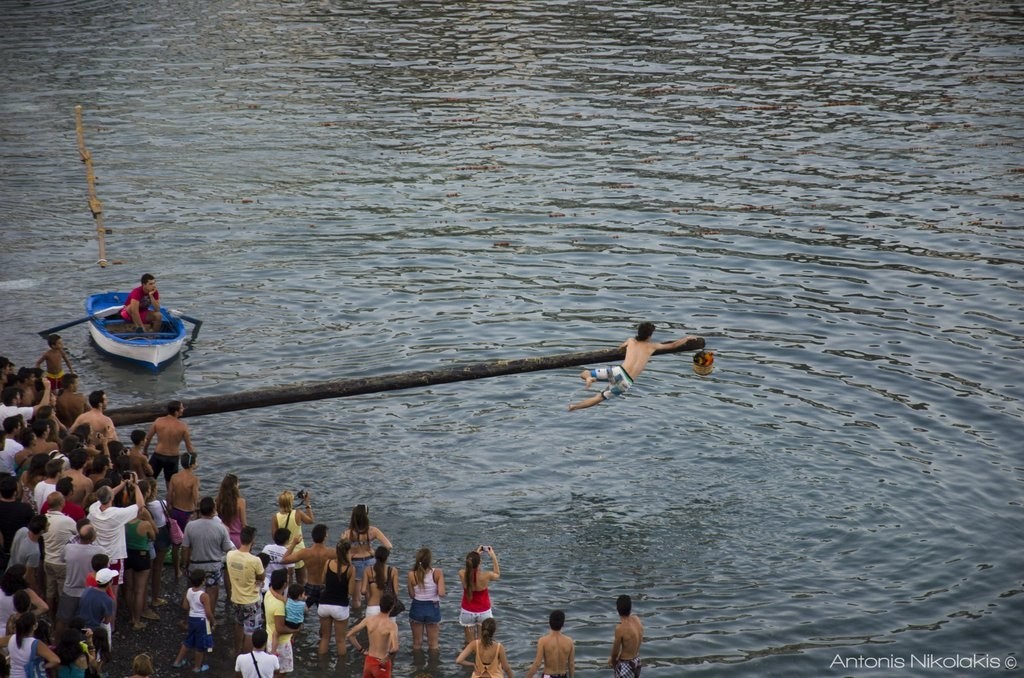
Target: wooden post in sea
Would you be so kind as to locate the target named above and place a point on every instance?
(340, 388)
(95, 206)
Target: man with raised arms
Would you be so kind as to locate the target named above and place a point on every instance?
(315, 558)
(620, 378)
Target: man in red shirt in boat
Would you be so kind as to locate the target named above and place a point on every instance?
(142, 310)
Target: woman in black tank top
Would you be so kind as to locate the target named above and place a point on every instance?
(339, 586)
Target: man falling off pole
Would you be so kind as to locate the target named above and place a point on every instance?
(620, 378)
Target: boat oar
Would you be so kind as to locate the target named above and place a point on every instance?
(196, 322)
(98, 314)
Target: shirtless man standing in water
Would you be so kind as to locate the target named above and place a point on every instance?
(556, 651)
(639, 350)
(170, 432)
(625, 659)
(316, 558)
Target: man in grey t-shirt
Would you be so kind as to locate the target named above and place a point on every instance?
(206, 542)
(78, 564)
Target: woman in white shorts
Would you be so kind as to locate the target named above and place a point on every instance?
(476, 599)
(339, 587)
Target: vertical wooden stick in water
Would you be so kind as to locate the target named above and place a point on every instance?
(94, 204)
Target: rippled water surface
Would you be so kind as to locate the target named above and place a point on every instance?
(829, 193)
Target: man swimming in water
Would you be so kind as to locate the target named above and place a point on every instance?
(620, 378)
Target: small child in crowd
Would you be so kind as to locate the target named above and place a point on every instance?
(295, 606)
(200, 623)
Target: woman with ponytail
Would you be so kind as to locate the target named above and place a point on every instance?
(335, 600)
(426, 588)
(476, 599)
(378, 580)
(23, 648)
(489, 659)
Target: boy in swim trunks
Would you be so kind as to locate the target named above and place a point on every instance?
(382, 633)
(625, 659)
(53, 358)
(556, 651)
(620, 378)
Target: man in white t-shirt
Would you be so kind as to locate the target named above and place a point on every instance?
(109, 522)
(276, 552)
(257, 664)
(9, 447)
(11, 405)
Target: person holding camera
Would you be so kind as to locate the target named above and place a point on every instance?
(109, 521)
(292, 519)
(476, 598)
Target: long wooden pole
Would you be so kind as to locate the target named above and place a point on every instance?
(341, 388)
(95, 206)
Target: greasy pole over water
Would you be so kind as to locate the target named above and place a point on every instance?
(340, 388)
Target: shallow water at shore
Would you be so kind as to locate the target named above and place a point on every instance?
(830, 195)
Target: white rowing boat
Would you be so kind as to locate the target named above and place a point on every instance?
(109, 332)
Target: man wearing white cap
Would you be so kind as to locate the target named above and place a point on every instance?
(96, 609)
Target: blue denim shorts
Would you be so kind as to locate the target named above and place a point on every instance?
(361, 564)
(425, 612)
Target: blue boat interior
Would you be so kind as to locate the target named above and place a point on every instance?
(115, 327)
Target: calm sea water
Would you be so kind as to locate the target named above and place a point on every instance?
(829, 193)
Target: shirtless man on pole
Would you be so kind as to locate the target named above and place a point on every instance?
(625, 659)
(170, 432)
(639, 350)
(556, 651)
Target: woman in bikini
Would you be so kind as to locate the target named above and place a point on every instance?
(489, 659)
(333, 610)
(293, 520)
(360, 536)
(378, 580)
(476, 599)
